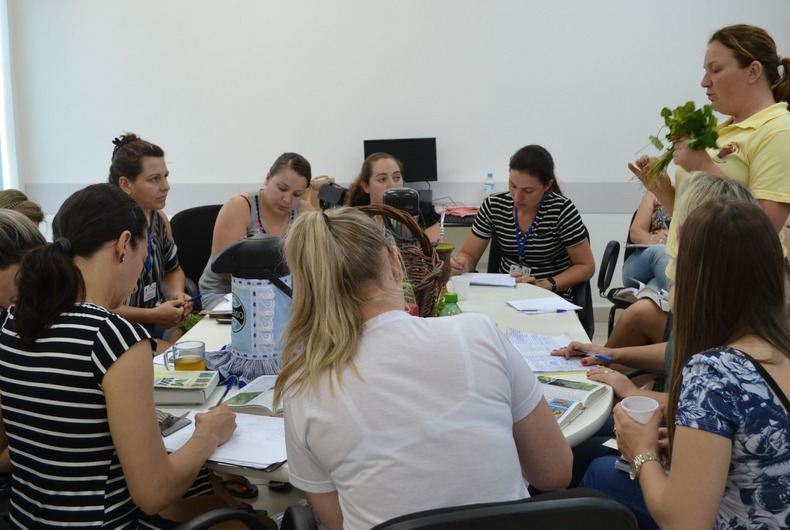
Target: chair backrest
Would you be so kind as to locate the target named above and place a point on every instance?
(209, 519)
(582, 296)
(608, 264)
(330, 195)
(494, 256)
(590, 513)
(298, 517)
(193, 231)
(628, 241)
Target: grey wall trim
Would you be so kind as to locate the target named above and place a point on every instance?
(589, 197)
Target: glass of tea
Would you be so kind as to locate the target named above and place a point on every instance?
(186, 355)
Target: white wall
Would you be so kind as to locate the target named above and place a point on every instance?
(226, 86)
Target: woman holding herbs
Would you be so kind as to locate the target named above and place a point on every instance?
(538, 231)
(270, 210)
(746, 79)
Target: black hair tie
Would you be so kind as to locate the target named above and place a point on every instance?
(64, 244)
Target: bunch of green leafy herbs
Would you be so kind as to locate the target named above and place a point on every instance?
(696, 126)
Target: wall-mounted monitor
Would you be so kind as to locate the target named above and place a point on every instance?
(418, 156)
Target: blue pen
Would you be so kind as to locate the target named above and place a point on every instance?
(196, 297)
(663, 221)
(231, 381)
(545, 310)
(602, 357)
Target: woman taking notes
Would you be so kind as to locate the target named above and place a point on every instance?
(370, 436)
(729, 381)
(77, 398)
(534, 226)
(271, 210)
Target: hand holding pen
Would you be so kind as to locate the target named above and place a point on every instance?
(591, 353)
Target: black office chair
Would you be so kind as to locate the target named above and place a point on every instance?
(605, 273)
(330, 195)
(590, 513)
(193, 231)
(298, 517)
(220, 515)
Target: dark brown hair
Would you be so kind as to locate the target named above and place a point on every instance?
(293, 161)
(357, 196)
(536, 161)
(127, 157)
(49, 281)
(751, 43)
(719, 242)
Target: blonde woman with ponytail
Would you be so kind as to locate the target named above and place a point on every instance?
(387, 413)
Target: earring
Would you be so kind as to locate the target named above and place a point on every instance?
(121, 258)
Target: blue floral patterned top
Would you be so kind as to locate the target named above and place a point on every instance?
(723, 393)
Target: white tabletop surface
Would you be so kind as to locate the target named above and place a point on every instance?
(492, 301)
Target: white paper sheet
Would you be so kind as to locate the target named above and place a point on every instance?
(536, 348)
(496, 280)
(257, 442)
(552, 304)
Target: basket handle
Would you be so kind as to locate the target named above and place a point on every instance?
(404, 218)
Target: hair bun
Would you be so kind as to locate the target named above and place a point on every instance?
(120, 141)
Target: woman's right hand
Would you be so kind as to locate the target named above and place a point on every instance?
(459, 265)
(218, 422)
(581, 349)
(169, 313)
(660, 236)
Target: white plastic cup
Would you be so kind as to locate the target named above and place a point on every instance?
(640, 408)
(461, 287)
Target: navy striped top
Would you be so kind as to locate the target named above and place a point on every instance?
(66, 470)
(556, 227)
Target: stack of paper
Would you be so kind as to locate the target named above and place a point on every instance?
(536, 306)
(496, 280)
(536, 350)
(258, 441)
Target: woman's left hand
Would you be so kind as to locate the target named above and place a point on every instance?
(186, 305)
(522, 277)
(634, 438)
(620, 383)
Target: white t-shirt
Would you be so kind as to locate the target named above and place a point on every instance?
(428, 424)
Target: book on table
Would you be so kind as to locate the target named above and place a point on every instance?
(567, 398)
(257, 397)
(183, 387)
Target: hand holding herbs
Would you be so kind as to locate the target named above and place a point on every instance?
(696, 126)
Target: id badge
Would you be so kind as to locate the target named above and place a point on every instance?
(520, 268)
(149, 292)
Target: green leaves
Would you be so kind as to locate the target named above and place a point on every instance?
(686, 122)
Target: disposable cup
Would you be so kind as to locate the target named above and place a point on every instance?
(461, 287)
(640, 408)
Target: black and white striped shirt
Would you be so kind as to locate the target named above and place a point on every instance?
(66, 470)
(556, 227)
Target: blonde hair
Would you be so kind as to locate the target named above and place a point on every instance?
(336, 258)
(699, 188)
(17, 201)
(18, 235)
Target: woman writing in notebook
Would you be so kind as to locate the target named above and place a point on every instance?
(538, 231)
(271, 210)
(102, 399)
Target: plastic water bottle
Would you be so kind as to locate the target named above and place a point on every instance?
(450, 305)
(488, 185)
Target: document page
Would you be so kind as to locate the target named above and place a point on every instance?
(536, 348)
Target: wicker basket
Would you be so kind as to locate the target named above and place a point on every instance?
(423, 266)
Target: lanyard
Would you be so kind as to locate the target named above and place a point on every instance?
(522, 242)
(148, 257)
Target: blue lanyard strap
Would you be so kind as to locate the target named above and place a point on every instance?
(150, 251)
(522, 242)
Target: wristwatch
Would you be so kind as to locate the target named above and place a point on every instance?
(553, 283)
(636, 463)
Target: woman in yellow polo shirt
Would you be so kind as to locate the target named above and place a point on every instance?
(746, 79)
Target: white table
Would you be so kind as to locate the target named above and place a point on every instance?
(492, 301)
